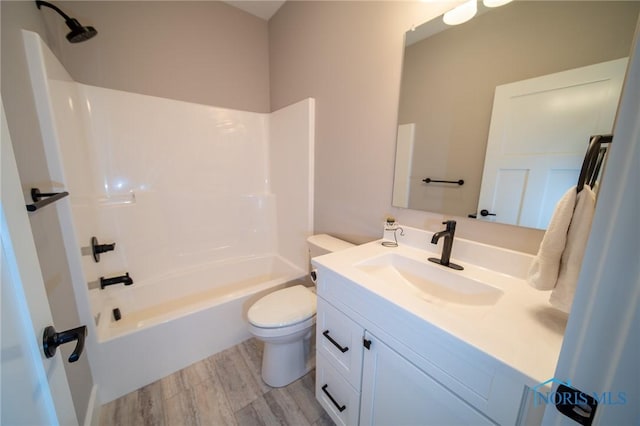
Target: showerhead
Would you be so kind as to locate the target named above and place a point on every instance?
(78, 33)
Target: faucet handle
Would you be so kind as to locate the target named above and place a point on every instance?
(451, 224)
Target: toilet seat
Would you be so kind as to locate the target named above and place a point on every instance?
(283, 308)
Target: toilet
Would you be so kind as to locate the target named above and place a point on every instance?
(284, 321)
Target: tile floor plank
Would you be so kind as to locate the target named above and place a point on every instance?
(150, 405)
(251, 351)
(303, 393)
(181, 409)
(186, 378)
(238, 383)
(324, 420)
(212, 404)
(258, 413)
(285, 408)
(224, 389)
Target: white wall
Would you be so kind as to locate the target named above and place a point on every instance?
(291, 162)
(176, 184)
(198, 174)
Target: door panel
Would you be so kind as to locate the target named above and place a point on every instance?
(539, 133)
(34, 390)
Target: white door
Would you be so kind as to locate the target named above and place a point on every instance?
(601, 346)
(539, 133)
(34, 389)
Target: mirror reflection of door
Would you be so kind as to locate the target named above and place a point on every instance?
(449, 77)
(539, 132)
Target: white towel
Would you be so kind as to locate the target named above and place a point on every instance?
(545, 268)
(579, 229)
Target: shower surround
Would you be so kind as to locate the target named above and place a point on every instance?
(209, 209)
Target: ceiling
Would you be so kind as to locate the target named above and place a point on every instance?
(264, 9)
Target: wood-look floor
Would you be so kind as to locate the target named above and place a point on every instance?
(224, 389)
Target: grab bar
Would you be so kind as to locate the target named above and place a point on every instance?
(51, 197)
(429, 180)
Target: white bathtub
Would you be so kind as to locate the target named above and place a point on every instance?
(179, 319)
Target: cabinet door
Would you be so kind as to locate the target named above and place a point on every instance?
(396, 392)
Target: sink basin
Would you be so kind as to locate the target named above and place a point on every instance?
(430, 281)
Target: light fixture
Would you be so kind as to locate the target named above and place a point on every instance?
(78, 33)
(495, 3)
(461, 14)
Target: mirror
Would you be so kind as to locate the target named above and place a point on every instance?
(449, 81)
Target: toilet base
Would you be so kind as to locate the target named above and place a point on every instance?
(283, 364)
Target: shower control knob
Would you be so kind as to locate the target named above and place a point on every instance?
(485, 212)
(97, 248)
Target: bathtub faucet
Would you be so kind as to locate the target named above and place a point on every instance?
(122, 279)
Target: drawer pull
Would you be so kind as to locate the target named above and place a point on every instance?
(340, 408)
(336, 344)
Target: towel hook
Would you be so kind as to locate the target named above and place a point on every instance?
(592, 161)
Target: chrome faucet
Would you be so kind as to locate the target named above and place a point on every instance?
(448, 235)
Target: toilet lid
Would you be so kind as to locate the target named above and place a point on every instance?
(283, 307)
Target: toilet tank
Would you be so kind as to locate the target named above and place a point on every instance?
(322, 244)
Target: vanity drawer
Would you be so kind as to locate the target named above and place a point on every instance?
(339, 399)
(339, 339)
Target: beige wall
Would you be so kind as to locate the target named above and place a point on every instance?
(348, 56)
(449, 81)
(198, 51)
(29, 151)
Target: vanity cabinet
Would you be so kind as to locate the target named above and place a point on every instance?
(361, 380)
(401, 340)
(375, 365)
(396, 392)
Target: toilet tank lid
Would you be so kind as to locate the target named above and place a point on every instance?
(329, 243)
(283, 307)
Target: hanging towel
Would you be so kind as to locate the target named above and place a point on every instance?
(579, 229)
(545, 268)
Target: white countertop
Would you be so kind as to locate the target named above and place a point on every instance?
(521, 329)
